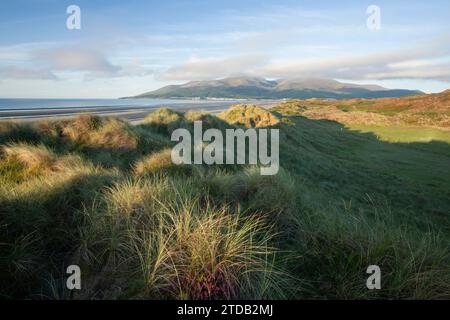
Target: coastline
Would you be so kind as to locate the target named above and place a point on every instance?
(133, 114)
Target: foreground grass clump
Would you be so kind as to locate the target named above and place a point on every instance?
(161, 238)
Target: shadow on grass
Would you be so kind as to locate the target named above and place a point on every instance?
(40, 229)
(348, 165)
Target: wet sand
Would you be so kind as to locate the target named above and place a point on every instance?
(130, 113)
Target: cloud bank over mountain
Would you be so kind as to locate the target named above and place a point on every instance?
(429, 60)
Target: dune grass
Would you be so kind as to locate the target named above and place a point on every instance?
(104, 195)
(250, 116)
(167, 243)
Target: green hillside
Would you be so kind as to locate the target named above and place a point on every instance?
(260, 88)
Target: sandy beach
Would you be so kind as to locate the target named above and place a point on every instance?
(133, 114)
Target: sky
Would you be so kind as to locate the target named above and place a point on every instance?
(129, 47)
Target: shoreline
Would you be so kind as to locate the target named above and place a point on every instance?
(133, 114)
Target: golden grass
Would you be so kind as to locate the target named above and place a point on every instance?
(189, 250)
(31, 156)
(163, 116)
(249, 116)
(80, 127)
(101, 133)
(155, 162)
(8, 126)
(432, 110)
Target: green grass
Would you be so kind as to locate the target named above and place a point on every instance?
(367, 106)
(405, 134)
(249, 116)
(103, 194)
(364, 201)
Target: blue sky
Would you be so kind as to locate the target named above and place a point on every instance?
(129, 47)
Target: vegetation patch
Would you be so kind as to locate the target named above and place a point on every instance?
(105, 195)
(249, 116)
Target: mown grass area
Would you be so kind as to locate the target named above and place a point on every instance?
(405, 134)
(369, 106)
(104, 195)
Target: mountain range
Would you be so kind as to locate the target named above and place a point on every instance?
(260, 88)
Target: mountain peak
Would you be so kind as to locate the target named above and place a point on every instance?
(232, 81)
(261, 88)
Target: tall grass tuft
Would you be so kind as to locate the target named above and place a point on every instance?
(272, 196)
(250, 116)
(94, 132)
(160, 162)
(30, 156)
(178, 246)
(164, 120)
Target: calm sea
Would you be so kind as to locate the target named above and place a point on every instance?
(21, 104)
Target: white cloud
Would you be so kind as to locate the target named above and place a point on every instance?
(428, 61)
(92, 62)
(24, 74)
(424, 70)
(76, 59)
(22, 52)
(47, 61)
(198, 69)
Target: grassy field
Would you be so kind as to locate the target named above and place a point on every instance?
(405, 134)
(102, 194)
(423, 111)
